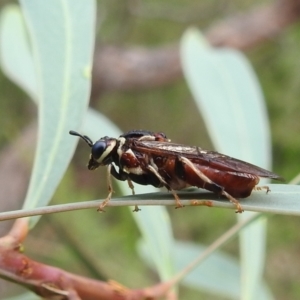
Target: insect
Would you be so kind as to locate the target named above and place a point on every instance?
(146, 157)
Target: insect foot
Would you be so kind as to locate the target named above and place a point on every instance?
(234, 201)
(260, 188)
(136, 208)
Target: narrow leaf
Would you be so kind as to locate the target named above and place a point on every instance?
(15, 54)
(62, 51)
(230, 100)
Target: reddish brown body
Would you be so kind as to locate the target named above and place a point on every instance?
(239, 185)
(149, 158)
(183, 166)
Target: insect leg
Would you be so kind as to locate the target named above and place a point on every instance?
(121, 175)
(153, 170)
(110, 189)
(237, 204)
(131, 186)
(206, 179)
(260, 188)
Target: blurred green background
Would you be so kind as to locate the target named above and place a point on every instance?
(103, 246)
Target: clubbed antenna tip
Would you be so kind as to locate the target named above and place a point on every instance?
(84, 137)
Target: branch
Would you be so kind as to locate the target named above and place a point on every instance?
(282, 199)
(138, 68)
(48, 281)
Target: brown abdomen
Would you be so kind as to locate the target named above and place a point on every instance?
(239, 185)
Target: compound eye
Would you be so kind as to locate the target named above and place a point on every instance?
(98, 149)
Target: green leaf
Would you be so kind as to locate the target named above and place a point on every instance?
(155, 225)
(62, 52)
(230, 100)
(15, 55)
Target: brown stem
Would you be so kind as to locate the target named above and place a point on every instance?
(48, 281)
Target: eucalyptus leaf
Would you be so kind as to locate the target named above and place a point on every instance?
(229, 99)
(62, 51)
(15, 53)
(231, 102)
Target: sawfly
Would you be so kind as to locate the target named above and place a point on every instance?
(149, 158)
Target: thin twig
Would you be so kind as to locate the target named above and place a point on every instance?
(217, 244)
(93, 204)
(283, 199)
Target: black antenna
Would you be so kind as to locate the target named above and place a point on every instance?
(84, 137)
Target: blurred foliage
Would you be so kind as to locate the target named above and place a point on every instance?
(277, 67)
(105, 243)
